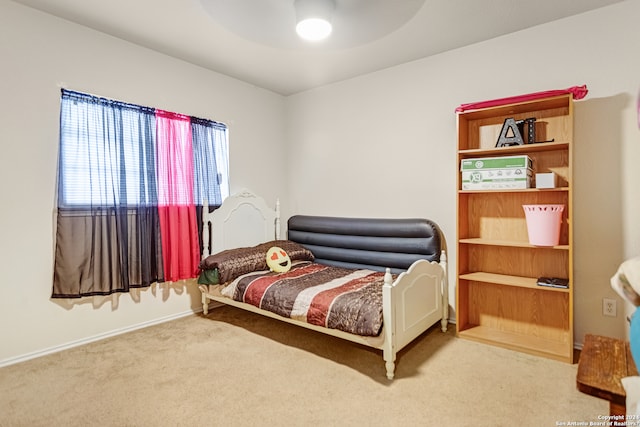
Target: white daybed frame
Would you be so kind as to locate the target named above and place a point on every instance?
(413, 303)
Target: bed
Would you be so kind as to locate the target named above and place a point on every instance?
(401, 260)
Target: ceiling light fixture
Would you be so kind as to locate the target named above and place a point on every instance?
(314, 18)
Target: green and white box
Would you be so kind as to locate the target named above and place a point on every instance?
(497, 173)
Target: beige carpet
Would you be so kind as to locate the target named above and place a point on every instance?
(238, 368)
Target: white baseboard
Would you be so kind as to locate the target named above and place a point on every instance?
(87, 340)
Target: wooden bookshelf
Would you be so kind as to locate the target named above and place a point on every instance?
(498, 300)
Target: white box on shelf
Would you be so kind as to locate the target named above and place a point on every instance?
(497, 179)
(546, 180)
(502, 162)
(497, 173)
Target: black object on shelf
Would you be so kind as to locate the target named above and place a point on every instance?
(510, 134)
(553, 282)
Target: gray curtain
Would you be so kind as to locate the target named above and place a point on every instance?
(108, 236)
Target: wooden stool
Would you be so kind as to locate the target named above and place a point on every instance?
(603, 362)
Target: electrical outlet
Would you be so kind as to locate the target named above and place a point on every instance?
(609, 307)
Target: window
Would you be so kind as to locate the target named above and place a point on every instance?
(131, 183)
(99, 137)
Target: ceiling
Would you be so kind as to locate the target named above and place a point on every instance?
(255, 40)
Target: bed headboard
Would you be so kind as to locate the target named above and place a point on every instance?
(367, 242)
(243, 219)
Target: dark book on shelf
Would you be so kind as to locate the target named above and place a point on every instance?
(553, 282)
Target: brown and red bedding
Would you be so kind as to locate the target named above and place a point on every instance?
(332, 297)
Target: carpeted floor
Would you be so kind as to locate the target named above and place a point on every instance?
(235, 368)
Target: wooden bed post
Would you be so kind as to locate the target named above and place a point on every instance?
(205, 302)
(206, 251)
(389, 314)
(277, 224)
(445, 292)
(206, 244)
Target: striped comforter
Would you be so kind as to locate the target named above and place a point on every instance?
(333, 297)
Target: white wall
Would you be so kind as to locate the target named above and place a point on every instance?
(38, 53)
(384, 144)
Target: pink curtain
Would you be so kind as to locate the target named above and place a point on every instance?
(178, 226)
